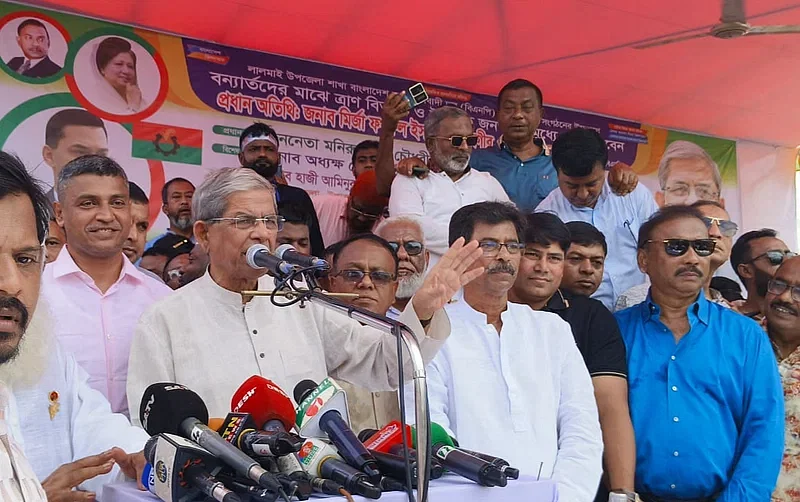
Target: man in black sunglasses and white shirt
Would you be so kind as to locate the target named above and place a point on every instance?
(405, 236)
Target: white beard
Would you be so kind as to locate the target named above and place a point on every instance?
(407, 286)
(27, 369)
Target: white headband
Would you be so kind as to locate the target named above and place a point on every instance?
(263, 137)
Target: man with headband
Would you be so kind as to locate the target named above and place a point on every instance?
(258, 150)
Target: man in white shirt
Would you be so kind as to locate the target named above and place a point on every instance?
(510, 381)
(405, 236)
(451, 184)
(580, 157)
(95, 293)
(210, 337)
(53, 415)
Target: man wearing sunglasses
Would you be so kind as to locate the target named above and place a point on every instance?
(405, 236)
(450, 139)
(510, 379)
(584, 194)
(783, 326)
(705, 398)
(755, 257)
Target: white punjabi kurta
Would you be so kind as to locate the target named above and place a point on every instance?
(203, 337)
(18, 481)
(525, 396)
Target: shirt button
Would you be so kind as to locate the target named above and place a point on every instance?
(676, 419)
(672, 486)
(255, 331)
(673, 358)
(674, 389)
(261, 355)
(674, 453)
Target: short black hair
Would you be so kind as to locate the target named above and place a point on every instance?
(137, 194)
(172, 245)
(665, 215)
(88, 164)
(740, 252)
(544, 229)
(257, 129)
(15, 180)
(165, 188)
(705, 202)
(576, 152)
(364, 145)
(520, 83)
(586, 234)
(728, 288)
(33, 22)
(54, 130)
(111, 47)
(463, 221)
(294, 212)
(340, 246)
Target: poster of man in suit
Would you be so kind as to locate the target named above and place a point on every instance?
(33, 39)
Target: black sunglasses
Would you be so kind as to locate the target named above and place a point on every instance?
(679, 247)
(775, 257)
(356, 276)
(456, 141)
(413, 248)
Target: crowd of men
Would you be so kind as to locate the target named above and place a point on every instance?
(570, 319)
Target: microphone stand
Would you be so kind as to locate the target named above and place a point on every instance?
(314, 294)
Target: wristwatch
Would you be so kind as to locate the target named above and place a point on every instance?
(622, 496)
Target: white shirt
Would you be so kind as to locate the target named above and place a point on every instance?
(97, 328)
(203, 337)
(619, 219)
(524, 395)
(433, 201)
(18, 482)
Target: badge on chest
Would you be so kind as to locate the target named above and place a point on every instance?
(54, 406)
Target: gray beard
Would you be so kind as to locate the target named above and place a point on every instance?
(408, 286)
(182, 222)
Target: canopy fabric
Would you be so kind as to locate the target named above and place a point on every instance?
(577, 51)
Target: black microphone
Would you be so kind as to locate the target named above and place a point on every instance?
(468, 466)
(258, 257)
(288, 253)
(498, 462)
(172, 408)
(240, 430)
(180, 467)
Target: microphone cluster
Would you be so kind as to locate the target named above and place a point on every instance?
(265, 449)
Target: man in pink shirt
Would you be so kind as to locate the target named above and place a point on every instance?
(95, 294)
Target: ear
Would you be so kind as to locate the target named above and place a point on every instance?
(641, 260)
(241, 159)
(722, 201)
(660, 198)
(200, 230)
(427, 259)
(47, 155)
(745, 271)
(58, 210)
(164, 208)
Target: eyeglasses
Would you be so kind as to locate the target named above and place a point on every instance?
(683, 191)
(777, 287)
(456, 141)
(679, 247)
(355, 276)
(413, 248)
(370, 216)
(727, 228)
(492, 247)
(250, 222)
(775, 257)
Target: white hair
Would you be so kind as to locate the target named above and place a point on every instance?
(210, 199)
(397, 220)
(436, 116)
(686, 150)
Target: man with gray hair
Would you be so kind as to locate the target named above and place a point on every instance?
(405, 236)
(211, 337)
(686, 174)
(449, 138)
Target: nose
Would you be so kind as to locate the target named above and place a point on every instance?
(402, 255)
(464, 146)
(714, 232)
(10, 277)
(691, 198)
(586, 267)
(538, 264)
(104, 213)
(691, 257)
(263, 235)
(583, 193)
(366, 282)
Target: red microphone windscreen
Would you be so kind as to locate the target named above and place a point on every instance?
(264, 401)
(387, 437)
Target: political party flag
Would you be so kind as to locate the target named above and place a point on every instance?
(167, 143)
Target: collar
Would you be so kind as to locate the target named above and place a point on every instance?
(64, 265)
(503, 147)
(700, 308)
(221, 295)
(472, 316)
(558, 302)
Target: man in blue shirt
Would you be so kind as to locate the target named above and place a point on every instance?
(705, 396)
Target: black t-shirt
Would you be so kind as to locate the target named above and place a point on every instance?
(286, 193)
(595, 330)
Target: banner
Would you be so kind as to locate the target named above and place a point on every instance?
(172, 106)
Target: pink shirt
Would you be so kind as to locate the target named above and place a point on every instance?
(330, 209)
(96, 327)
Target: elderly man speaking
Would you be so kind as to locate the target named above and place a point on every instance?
(211, 338)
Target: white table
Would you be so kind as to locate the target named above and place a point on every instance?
(445, 489)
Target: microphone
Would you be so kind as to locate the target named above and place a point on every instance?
(239, 429)
(173, 408)
(395, 467)
(181, 469)
(498, 462)
(390, 440)
(322, 460)
(258, 257)
(288, 253)
(269, 406)
(323, 408)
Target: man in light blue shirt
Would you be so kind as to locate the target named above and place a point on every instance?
(580, 156)
(705, 397)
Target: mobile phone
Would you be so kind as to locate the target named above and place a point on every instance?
(419, 172)
(416, 95)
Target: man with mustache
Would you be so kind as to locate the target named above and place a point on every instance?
(405, 236)
(584, 194)
(783, 326)
(510, 379)
(258, 150)
(34, 41)
(755, 257)
(596, 334)
(62, 424)
(586, 259)
(95, 293)
(705, 397)
(450, 139)
(176, 198)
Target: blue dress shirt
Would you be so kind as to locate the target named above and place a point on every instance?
(527, 182)
(707, 411)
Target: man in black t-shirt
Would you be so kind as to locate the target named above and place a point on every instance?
(258, 150)
(596, 335)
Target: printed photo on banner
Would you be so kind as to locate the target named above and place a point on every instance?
(32, 47)
(116, 75)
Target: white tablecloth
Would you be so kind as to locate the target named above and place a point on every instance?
(445, 489)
